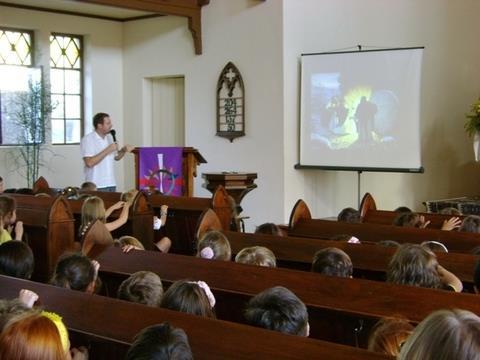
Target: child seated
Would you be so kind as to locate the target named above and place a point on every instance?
(403, 209)
(444, 334)
(165, 243)
(434, 246)
(37, 335)
(8, 217)
(214, 245)
(450, 211)
(160, 342)
(280, 310)
(191, 297)
(256, 255)
(76, 272)
(411, 219)
(349, 215)
(417, 266)
(471, 224)
(11, 308)
(332, 262)
(269, 229)
(127, 240)
(388, 335)
(16, 259)
(142, 287)
(93, 209)
(88, 186)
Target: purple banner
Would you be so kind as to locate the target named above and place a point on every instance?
(160, 168)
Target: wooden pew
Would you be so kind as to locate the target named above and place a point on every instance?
(49, 230)
(370, 261)
(41, 186)
(183, 215)
(107, 327)
(302, 225)
(182, 218)
(140, 218)
(341, 310)
(370, 214)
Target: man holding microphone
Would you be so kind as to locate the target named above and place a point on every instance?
(99, 151)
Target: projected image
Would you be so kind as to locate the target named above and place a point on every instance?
(350, 116)
(361, 109)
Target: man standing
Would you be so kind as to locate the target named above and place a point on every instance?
(98, 153)
(365, 117)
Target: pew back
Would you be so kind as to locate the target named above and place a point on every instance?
(95, 321)
(370, 261)
(49, 230)
(370, 214)
(455, 241)
(336, 305)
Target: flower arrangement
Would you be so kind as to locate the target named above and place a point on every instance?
(472, 125)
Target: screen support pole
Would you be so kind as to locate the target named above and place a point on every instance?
(359, 177)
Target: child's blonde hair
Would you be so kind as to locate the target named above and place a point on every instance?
(93, 209)
(129, 240)
(256, 255)
(214, 245)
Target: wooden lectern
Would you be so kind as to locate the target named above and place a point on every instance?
(191, 158)
(237, 184)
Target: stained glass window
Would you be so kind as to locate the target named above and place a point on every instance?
(15, 47)
(66, 79)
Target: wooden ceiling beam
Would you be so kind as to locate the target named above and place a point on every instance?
(191, 9)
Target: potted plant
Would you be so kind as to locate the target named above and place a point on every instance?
(31, 114)
(472, 127)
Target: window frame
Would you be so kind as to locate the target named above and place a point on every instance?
(32, 43)
(32, 65)
(82, 90)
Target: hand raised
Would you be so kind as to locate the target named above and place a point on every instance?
(118, 205)
(452, 223)
(27, 297)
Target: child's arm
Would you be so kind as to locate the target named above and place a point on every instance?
(163, 214)
(122, 219)
(449, 279)
(96, 267)
(19, 230)
(111, 209)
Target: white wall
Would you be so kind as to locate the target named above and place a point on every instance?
(449, 32)
(265, 40)
(249, 34)
(103, 85)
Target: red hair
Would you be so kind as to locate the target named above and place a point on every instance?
(31, 337)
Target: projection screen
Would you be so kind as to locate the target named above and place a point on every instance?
(361, 110)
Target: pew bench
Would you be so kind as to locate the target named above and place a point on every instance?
(48, 230)
(107, 327)
(341, 310)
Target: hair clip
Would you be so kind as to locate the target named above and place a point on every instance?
(206, 289)
(353, 240)
(207, 253)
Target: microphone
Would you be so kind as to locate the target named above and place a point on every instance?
(113, 133)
